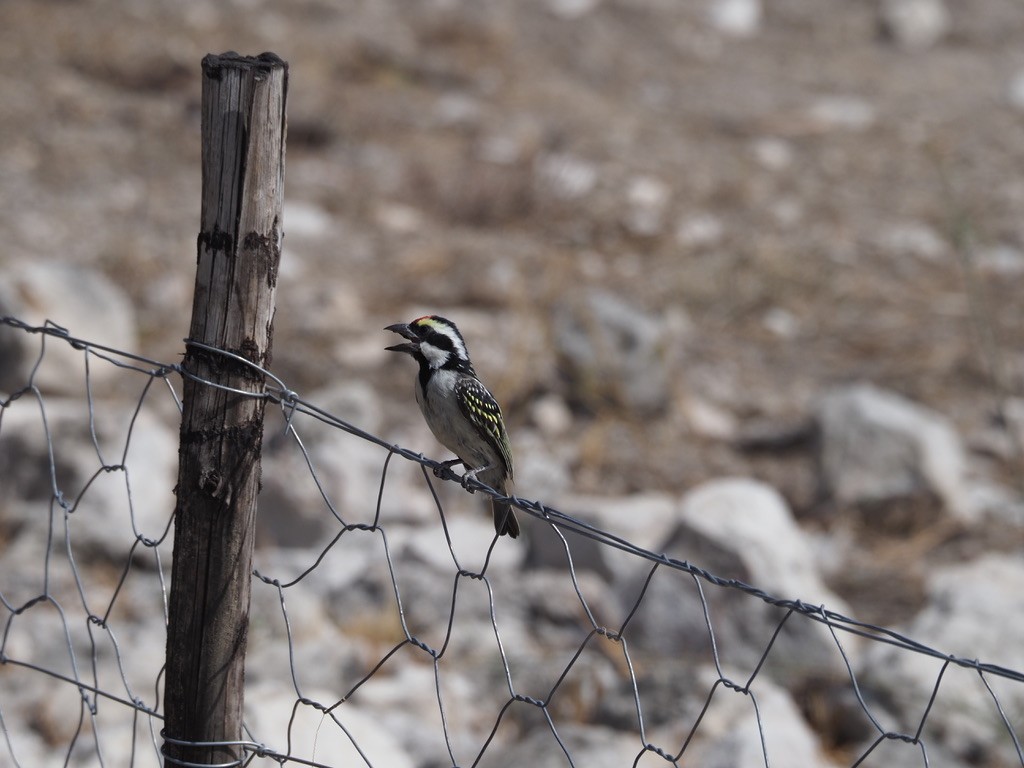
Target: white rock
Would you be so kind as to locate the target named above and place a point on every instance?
(989, 501)
(572, 9)
(306, 219)
(915, 24)
(41, 714)
(124, 742)
(700, 230)
(567, 176)
(645, 519)
(404, 701)
(458, 109)
(737, 18)
(471, 538)
(877, 445)
(787, 212)
(312, 736)
(551, 415)
(1015, 90)
(292, 511)
(399, 218)
(731, 737)
(27, 747)
(85, 302)
(647, 199)
(353, 401)
(344, 467)
(109, 507)
(588, 745)
(542, 465)
(781, 322)
(913, 238)
(502, 149)
(773, 154)
(754, 521)
(708, 419)
(1001, 261)
(974, 611)
(843, 112)
(615, 352)
(738, 529)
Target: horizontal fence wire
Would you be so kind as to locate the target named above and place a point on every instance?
(79, 590)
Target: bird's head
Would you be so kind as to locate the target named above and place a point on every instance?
(434, 342)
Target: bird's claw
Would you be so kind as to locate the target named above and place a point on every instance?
(471, 475)
(445, 470)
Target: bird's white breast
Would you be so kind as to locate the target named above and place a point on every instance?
(444, 417)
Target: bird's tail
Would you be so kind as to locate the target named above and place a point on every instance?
(505, 522)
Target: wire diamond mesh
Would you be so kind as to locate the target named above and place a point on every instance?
(84, 578)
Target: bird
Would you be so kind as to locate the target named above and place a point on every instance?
(460, 411)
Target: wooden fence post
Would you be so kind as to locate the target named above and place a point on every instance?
(243, 135)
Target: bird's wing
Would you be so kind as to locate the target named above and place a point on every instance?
(483, 411)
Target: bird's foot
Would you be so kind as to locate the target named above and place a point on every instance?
(445, 469)
(471, 475)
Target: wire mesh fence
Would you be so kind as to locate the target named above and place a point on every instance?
(395, 642)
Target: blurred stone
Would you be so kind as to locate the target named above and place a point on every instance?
(990, 502)
(787, 212)
(914, 24)
(613, 352)
(503, 148)
(550, 603)
(773, 154)
(774, 435)
(1015, 90)
(739, 529)
(551, 415)
(913, 238)
(976, 611)
(644, 519)
(292, 512)
(306, 219)
(572, 9)
(106, 508)
(470, 536)
(781, 322)
(842, 112)
(737, 18)
(756, 532)
(1001, 261)
(549, 548)
(405, 703)
(708, 419)
(273, 719)
(735, 735)
(586, 744)
(458, 109)
(893, 753)
(567, 176)
(85, 302)
(876, 445)
(700, 230)
(398, 218)
(647, 199)
(1011, 426)
(542, 464)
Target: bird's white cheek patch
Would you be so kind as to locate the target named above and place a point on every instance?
(435, 356)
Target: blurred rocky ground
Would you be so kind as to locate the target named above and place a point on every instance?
(745, 275)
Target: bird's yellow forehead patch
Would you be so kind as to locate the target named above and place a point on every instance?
(427, 320)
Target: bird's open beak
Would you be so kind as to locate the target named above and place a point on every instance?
(404, 330)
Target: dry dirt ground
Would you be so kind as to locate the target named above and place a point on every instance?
(808, 204)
